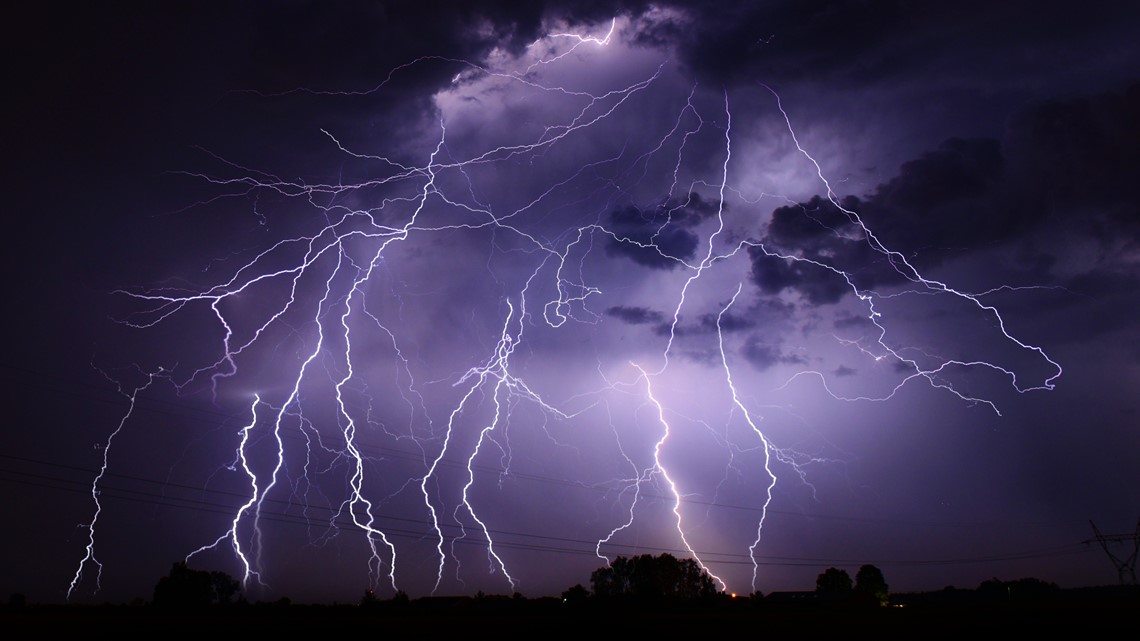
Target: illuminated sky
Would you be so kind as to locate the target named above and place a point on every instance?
(624, 279)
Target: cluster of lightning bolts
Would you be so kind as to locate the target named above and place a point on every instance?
(342, 305)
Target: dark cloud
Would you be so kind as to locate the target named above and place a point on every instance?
(360, 35)
(851, 321)
(774, 274)
(769, 313)
(862, 43)
(902, 367)
(970, 195)
(1082, 154)
(708, 323)
(1058, 160)
(1105, 302)
(783, 39)
(659, 248)
(659, 237)
(635, 315)
(958, 169)
(1036, 264)
(110, 98)
(763, 355)
(946, 199)
(808, 244)
(727, 322)
(1101, 282)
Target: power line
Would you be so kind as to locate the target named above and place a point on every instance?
(460, 534)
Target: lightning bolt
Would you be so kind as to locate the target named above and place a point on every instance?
(903, 267)
(314, 294)
(89, 558)
(232, 534)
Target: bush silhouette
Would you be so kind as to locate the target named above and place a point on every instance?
(650, 578)
(184, 587)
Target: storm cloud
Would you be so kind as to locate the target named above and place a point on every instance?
(445, 267)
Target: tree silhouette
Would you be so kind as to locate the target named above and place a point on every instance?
(369, 600)
(1025, 589)
(833, 582)
(650, 578)
(871, 586)
(576, 594)
(184, 587)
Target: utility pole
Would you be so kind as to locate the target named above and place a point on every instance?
(1127, 565)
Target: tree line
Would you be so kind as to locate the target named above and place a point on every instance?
(643, 578)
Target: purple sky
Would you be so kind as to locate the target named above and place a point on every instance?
(621, 279)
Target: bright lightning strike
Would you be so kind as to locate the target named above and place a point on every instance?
(393, 338)
(89, 558)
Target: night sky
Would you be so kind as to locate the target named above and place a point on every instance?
(377, 280)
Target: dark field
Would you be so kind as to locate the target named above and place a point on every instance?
(928, 615)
